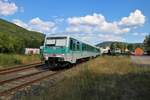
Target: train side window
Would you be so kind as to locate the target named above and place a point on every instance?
(71, 44)
(86, 48)
(78, 46)
(74, 45)
(83, 46)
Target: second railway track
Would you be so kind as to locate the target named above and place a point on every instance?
(19, 68)
(14, 84)
(13, 78)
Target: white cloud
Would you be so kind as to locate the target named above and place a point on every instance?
(94, 23)
(7, 8)
(95, 19)
(95, 27)
(36, 24)
(20, 23)
(43, 26)
(112, 28)
(135, 18)
(97, 38)
(97, 23)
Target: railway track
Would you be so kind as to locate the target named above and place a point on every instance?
(19, 68)
(14, 84)
(20, 76)
(10, 86)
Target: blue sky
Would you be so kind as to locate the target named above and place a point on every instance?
(93, 21)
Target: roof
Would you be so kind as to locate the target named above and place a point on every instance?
(57, 35)
(67, 35)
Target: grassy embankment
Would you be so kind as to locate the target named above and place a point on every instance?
(9, 60)
(104, 78)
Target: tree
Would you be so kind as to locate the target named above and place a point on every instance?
(130, 47)
(14, 39)
(147, 43)
(113, 46)
(121, 46)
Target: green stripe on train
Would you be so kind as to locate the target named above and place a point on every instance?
(57, 50)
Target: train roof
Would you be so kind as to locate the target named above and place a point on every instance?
(66, 35)
(57, 35)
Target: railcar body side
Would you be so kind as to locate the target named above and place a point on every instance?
(58, 50)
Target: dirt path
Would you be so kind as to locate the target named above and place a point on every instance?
(145, 60)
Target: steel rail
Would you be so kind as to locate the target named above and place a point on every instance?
(18, 66)
(20, 77)
(7, 71)
(7, 92)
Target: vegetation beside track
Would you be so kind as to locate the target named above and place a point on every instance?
(104, 78)
(9, 60)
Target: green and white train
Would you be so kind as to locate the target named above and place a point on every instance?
(61, 50)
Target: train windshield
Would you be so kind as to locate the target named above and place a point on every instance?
(56, 41)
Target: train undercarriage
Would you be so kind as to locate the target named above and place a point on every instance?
(56, 62)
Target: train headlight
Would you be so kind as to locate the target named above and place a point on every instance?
(62, 54)
(45, 56)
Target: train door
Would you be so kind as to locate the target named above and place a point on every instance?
(72, 50)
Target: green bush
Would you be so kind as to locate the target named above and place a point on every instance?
(6, 60)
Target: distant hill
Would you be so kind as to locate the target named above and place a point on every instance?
(104, 44)
(108, 43)
(13, 38)
(121, 45)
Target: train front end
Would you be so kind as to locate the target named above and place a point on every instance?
(54, 51)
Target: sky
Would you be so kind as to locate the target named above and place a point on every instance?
(93, 21)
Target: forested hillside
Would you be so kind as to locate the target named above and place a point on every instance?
(13, 39)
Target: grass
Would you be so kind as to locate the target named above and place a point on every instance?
(8, 60)
(104, 78)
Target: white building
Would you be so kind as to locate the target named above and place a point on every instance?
(31, 51)
(104, 50)
(117, 50)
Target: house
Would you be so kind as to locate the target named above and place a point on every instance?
(32, 51)
(104, 50)
(117, 50)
